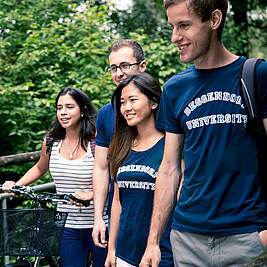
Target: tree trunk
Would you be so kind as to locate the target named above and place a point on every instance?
(240, 8)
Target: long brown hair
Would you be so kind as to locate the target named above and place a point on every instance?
(124, 134)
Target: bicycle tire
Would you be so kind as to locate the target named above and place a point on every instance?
(21, 262)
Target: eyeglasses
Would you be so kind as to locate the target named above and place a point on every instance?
(124, 66)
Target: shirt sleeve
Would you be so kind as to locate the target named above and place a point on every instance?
(101, 139)
(167, 118)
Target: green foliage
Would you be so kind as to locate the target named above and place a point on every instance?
(44, 47)
(161, 56)
(64, 46)
(244, 34)
(234, 38)
(68, 51)
(47, 45)
(43, 55)
(146, 16)
(127, 21)
(22, 118)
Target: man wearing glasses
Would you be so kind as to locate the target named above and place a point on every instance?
(125, 57)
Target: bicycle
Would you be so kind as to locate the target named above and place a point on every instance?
(34, 232)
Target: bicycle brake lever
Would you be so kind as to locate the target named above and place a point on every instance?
(17, 189)
(23, 188)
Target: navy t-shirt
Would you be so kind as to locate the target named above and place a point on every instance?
(136, 181)
(220, 193)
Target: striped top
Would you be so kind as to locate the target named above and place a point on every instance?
(71, 176)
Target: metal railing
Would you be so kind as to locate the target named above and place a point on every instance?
(36, 188)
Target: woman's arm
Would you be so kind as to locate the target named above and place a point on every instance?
(34, 173)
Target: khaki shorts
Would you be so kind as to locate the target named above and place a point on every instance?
(203, 251)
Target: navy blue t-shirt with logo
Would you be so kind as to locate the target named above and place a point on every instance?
(220, 192)
(136, 181)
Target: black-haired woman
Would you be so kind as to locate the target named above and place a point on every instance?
(67, 152)
(135, 155)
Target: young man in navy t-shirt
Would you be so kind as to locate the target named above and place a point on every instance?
(125, 57)
(220, 219)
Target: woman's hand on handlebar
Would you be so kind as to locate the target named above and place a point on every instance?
(8, 184)
(83, 196)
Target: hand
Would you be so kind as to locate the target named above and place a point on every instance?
(111, 259)
(151, 257)
(83, 196)
(98, 234)
(8, 184)
(263, 238)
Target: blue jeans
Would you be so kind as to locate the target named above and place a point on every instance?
(74, 248)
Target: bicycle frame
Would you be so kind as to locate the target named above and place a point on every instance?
(3, 199)
(43, 200)
(43, 213)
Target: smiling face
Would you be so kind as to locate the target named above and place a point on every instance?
(124, 55)
(190, 35)
(135, 106)
(68, 112)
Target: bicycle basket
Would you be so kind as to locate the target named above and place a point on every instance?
(32, 232)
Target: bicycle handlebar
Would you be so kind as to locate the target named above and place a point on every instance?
(67, 197)
(45, 197)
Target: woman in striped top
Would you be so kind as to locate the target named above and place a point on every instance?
(68, 152)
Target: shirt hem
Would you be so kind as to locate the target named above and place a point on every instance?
(218, 232)
(127, 260)
(102, 145)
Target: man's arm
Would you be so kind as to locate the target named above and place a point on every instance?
(263, 234)
(114, 228)
(165, 197)
(100, 192)
(182, 179)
